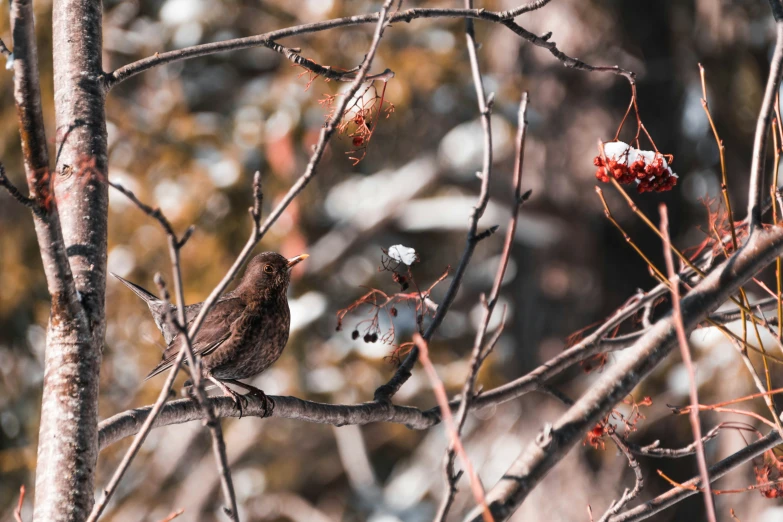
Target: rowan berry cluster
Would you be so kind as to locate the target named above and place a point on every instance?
(649, 170)
(768, 476)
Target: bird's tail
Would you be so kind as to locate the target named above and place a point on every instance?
(146, 296)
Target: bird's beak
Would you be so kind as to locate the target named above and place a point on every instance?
(296, 260)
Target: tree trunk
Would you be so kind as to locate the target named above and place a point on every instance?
(68, 440)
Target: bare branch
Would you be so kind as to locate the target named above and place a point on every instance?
(653, 450)
(756, 183)
(175, 245)
(18, 510)
(451, 428)
(141, 436)
(385, 392)
(479, 351)
(14, 192)
(27, 96)
(154, 213)
(526, 8)
(717, 471)
(128, 423)
(618, 380)
(270, 39)
(628, 494)
(173, 515)
(327, 72)
(682, 341)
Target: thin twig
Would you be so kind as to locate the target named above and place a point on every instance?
(175, 244)
(654, 450)
(194, 362)
(732, 401)
(717, 471)
(18, 510)
(467, 391)
(173, 515)
(525, 8)
(628, 494)
(755, 185)
(18, 196)
(686, 358)
(327, 72)
(451, 428)
(480, 351)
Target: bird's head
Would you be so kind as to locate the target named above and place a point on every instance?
(268, 274)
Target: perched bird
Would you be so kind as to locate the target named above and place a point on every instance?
(243, 334)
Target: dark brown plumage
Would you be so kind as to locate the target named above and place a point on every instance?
(244, 333)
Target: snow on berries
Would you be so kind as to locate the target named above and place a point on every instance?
(649, 170)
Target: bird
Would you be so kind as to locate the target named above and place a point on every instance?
(244, 333)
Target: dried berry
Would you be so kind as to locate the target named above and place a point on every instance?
(355, 334)
(401, 280)
(374, 338)
(393, 311)
(367, 338)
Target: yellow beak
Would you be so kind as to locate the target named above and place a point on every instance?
(296, 260)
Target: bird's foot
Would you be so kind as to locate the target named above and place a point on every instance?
(267, 404)
(239, 399)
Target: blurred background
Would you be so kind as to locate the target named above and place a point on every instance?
(188, 137)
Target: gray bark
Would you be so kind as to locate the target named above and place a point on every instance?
(68, 439)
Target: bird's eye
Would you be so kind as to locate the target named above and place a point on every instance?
(268, 269)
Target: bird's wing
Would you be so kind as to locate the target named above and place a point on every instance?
(214, 332)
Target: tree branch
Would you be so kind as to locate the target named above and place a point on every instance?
(269, 39)
(451, 429)
(128, 423)
(526, 8)
(385, 392)
(176, 244)
(18, 196)
(628, 494)
(682, 341)
(717, 471)
(618, 380)
(756, 183)
(27, 97)
(480, 351)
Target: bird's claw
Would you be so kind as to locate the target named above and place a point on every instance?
(241, 402)
(267, 404)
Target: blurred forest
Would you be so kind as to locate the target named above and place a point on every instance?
(188, 136)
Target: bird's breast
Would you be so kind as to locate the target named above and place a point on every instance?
(258, 340)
